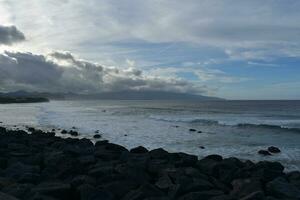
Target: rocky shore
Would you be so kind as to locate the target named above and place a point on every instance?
(8, 100)
(42, 166)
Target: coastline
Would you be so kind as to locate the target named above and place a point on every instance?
(10, 100)
(41, 165)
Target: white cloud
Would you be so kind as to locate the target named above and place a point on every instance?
(254, 26)
(62, 72)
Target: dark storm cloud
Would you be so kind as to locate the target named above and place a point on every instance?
(10, 35)
(62, 72)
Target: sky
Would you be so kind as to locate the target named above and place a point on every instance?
(230, 49)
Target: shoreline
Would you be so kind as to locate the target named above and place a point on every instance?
(41, 165)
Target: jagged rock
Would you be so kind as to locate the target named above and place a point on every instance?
(264, 153)
(54, 189)
(146, 190)
(97, 136)
(245, 187)
(205, 195)
(120, 188)
(259, 195)
(4, 196)
(88, 192)
(281, 188)
(164, 183)
(73, 133)
(82, 179)
(159, 153)
(273, 149)
(139, 149)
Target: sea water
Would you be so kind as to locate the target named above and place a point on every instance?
(229, 128)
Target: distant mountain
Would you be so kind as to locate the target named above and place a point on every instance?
(121, 95)
(143, 95)
(25, 94)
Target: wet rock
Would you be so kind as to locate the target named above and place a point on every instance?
(273, 149)
(21, 191)
(31, 129)
(264, 153)
(115, 147)
(139, 149)
(199, 131)
(82, 179)
(266, 171)
(18, 169)
(54, 189)
(73, 133)
(214, 157)
(183, 159)
(281, 188)
(4, 196)
(64, 132)
(146, 190)
(294, 178)
(245, 187)
(201, 195)
(164, 183)
(88, 192)
(259, 195)
(2, 130)
(120, 188)
(97, 136)
(192, 130)
(101, 171)
(159, 154)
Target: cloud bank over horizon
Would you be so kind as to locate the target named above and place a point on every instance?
(62, 72)
(230, 49)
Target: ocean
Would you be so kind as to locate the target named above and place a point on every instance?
(229, 128)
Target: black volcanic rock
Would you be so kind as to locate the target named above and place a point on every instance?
(43, 166)
(97, 136)
(139, 149)
(273, 149)
(264, 153)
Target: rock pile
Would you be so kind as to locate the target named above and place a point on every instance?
(41, 166)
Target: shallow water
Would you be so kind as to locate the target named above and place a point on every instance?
(229, 128)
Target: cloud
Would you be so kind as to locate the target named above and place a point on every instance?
(268, 25)
(10, 35)
(62, 72)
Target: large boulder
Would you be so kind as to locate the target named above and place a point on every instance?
(143, 192)
(159, 154)
(273, 149)
(88, 192)
(4, 196)
(281, 188)
(203, 195)
(246, 187)
(264, 152)
(55, 189)
(139, 149)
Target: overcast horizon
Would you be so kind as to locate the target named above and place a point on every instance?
(229, 49)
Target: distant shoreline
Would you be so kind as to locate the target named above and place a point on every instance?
(10, 100)
(47, 166)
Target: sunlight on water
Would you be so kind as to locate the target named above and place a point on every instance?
(227, 128)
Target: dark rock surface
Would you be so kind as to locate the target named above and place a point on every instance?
(273, 149)
(264, 153)
(41, 166)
